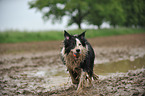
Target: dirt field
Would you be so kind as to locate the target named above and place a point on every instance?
(36, 69)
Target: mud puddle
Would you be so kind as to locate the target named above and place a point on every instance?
(58, 77)
(120, 66)
(34, 74)
(55, 77)
(46, 78)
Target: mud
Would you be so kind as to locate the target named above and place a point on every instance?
(31, 69)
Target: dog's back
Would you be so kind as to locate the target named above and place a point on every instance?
(88, 64)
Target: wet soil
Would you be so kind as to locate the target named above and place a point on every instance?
(36, 68)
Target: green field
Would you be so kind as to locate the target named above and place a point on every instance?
(11, 36)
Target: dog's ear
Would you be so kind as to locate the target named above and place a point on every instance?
(67, 35)
(82, 35)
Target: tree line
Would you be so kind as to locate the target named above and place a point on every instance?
(124, 13)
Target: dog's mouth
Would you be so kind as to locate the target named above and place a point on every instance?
(76, 55)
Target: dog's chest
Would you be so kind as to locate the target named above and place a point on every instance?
(73, 62)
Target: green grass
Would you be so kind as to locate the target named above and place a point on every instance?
(11, 36)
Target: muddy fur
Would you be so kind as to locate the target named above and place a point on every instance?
(74, 63)
(80, 67)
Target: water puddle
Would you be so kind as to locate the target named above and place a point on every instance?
(58, 76)
(47, 78)
(120, 66)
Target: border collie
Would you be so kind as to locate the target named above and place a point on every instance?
(78, 56)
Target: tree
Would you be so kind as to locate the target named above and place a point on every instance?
(98, 13)
(77, 10)
(115, 13)
(106, 11)
(135, 12)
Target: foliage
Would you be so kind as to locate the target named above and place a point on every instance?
(11, 36)
(128, 13)
(115, 15)
(135, 12)
(97, 13)
(56, 9)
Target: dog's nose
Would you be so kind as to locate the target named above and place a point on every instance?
(77, 50)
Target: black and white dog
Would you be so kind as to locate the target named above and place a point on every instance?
(78, 55)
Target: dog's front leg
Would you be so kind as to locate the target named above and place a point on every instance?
(82, 78)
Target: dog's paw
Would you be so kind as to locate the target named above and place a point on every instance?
(95, 77)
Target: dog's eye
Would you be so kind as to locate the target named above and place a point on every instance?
(80, 44)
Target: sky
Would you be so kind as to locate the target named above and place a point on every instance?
(16, 15)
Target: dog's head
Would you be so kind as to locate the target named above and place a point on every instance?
(74, 43)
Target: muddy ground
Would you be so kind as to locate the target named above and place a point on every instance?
(36, 69)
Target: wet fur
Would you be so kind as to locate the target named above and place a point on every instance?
(80, 68)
